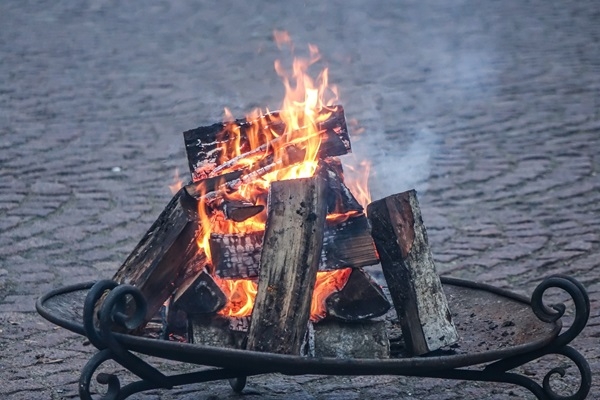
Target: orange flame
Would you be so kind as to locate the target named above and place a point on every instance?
(290, 141)
(326, 284)
(241, 293)
(302, 110)
(357, 180)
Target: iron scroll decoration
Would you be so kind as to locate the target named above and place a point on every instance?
(101, 332)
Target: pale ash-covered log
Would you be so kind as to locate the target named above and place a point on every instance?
(289, 263)
(409, 270)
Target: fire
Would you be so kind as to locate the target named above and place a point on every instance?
(327, 283)
(358, 182)
(280, 146)
(241, 293)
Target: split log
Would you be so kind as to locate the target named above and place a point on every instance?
(365, 339)
(409, 270)
(361, 298)
(289, 263)
(166, 256)
(200, 295)
(204, 144)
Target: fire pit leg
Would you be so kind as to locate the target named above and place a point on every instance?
(112, 315)
(238, 384)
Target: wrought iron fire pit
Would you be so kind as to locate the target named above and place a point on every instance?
(492, 345)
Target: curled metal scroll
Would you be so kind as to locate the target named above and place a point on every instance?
(497, 371)
(123, 308)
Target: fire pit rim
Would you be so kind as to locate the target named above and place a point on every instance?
(218, 357)
(498, 363)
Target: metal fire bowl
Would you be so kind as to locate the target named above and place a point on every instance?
(499, 331)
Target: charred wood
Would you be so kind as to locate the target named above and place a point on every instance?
(348, 244)
(345, 244)
(409, 270)
(203, 145)
(166, 255)
(360, 298)
(289, 263)
(236, 256)
(199, 295)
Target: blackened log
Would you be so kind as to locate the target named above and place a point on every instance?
(203, 144)
(345, 244)
(360, 298)
(231, 181)
(289, 263)
(365, 339)
(348, 244)
(200, 295)
(240, 211)
(340, 199)
(165, 256)
(213, 330)
(236, 256)
(409, 270)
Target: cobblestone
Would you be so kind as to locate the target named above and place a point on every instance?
(489, 109)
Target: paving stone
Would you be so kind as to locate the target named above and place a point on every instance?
(489, 109)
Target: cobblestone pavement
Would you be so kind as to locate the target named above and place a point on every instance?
(489, 109)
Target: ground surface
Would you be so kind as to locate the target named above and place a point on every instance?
(489, 109)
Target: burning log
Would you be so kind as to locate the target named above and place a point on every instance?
(166, 256)
(359, 299)
(345, 244)
(204, 145)
(348, 244)
(340, 199)
(289, 263)
(236, 256)
(365, 339)
(409, 270)
(199, 295)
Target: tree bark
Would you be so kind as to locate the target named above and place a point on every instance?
(289, 263)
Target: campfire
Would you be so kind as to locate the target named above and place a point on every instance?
(264, 248)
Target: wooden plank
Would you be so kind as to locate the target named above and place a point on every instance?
(408, 267)
(289, 262)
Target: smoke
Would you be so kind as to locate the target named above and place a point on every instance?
(400, 160)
